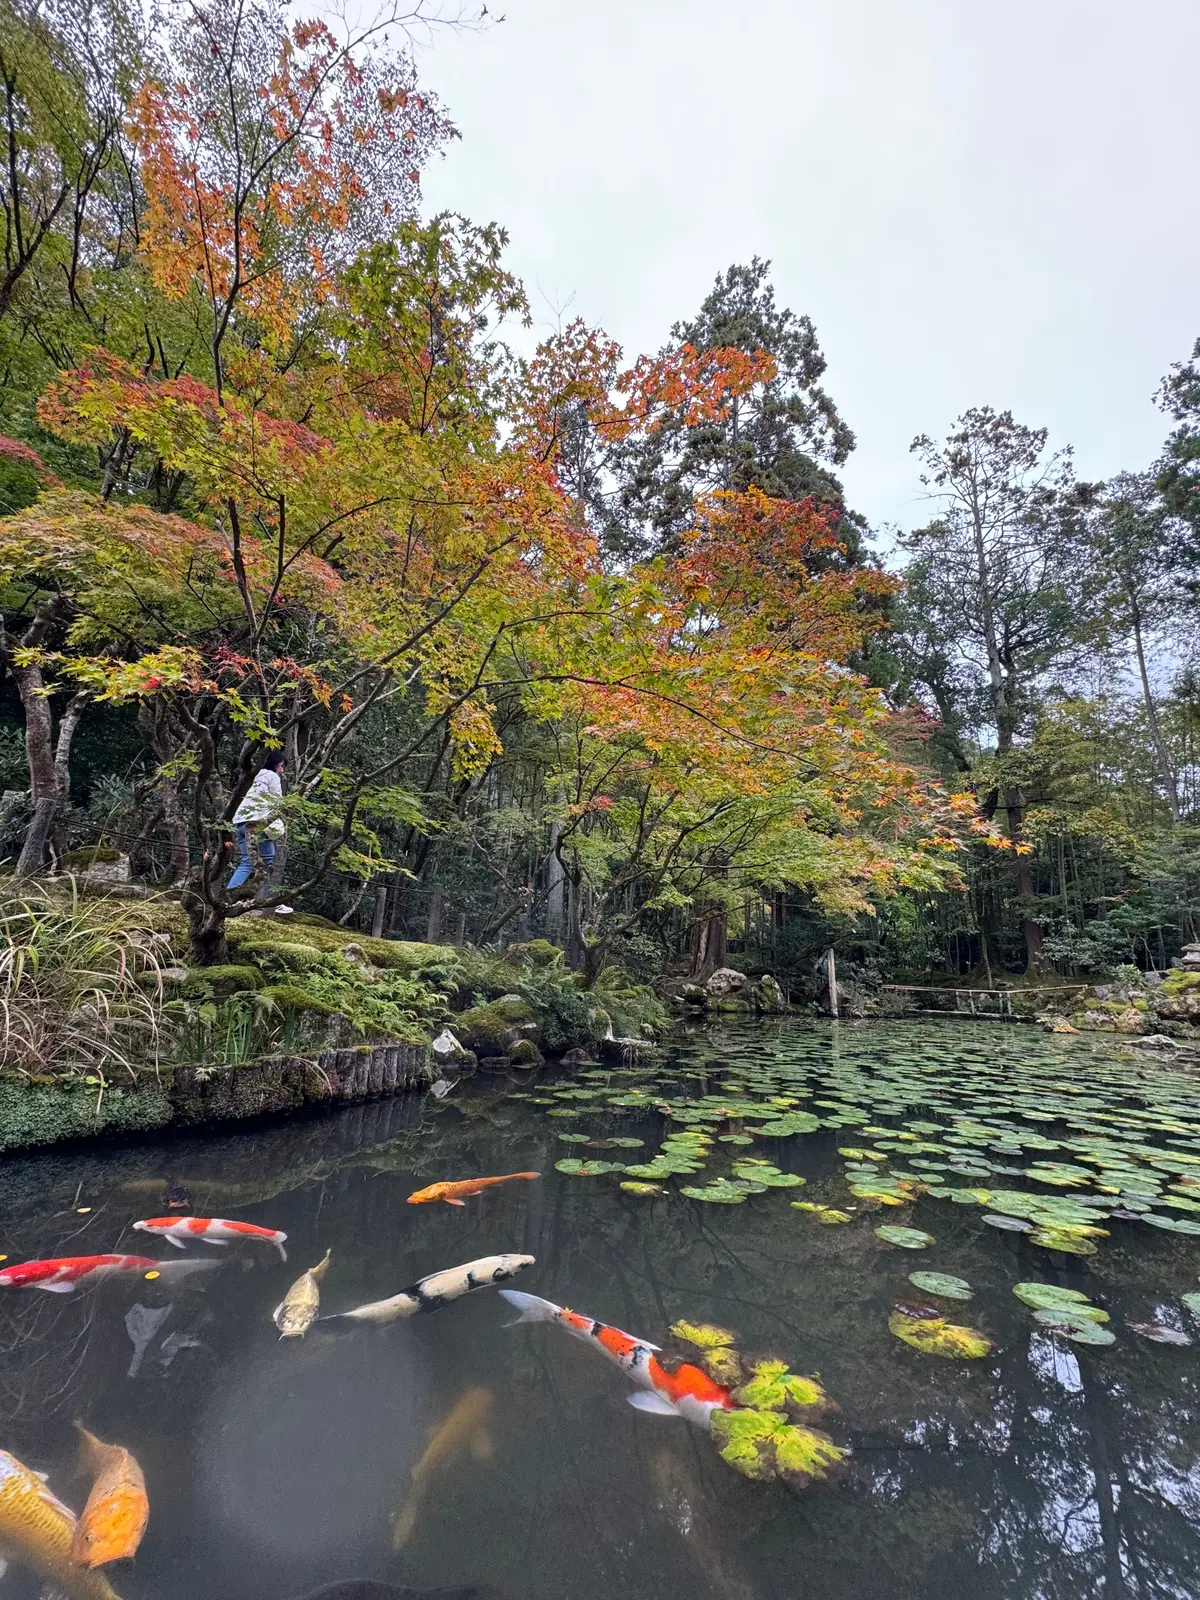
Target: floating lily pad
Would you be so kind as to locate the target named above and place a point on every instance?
(771, 1176)
(573, 1138)
(933, 1336)
(906, 1238)
(1009, 1224)
(1045, 1296)
(587, 1169)
(828, 1214)
(735, 1138)
(1192, 1302)
(645, 1189)
(943, 1284)
(1071, 1314)
(1077, 1330)
(719, 1193)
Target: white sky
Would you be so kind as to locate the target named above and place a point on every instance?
(975, 203)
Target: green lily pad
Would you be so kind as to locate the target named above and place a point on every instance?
(642, 1188)
(934, 1336)
(573, 1138)
(763, 1172)
(1192, 1302)
(1079, 1331)
(719, 1193)
(763, 1445)
(587, 1169)
(1009, 1224)
(906, 1238)
(827, 1214)
(942, 1284)
(1046, 1296)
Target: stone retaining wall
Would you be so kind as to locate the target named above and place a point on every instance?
(44, 1113)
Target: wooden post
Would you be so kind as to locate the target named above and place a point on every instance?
(381, 896)
(831, 976)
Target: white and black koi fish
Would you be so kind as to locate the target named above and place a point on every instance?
(438, 1290)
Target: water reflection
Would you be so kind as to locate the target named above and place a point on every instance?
(274, 1468)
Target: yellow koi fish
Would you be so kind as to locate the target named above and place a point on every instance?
(463, 1429)
(37, 1530)
(297, 1311)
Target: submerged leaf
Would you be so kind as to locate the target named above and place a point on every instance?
(704, 1335)
(773, 1388)
(763, 1444)
(1158, 1332)
(826, 1214)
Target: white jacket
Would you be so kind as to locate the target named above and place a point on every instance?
(260, 803)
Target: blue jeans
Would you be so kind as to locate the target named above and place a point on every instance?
(245, 866)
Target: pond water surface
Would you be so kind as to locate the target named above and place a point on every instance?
(1046, 1469)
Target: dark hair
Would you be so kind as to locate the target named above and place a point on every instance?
(275, 760)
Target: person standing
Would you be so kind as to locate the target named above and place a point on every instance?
(257, 821)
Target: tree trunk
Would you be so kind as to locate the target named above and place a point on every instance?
(555, 884)
(433, 929)
(1014, 807)
(1165, 766)
(377, 920)
(206, 928)
(710, 945)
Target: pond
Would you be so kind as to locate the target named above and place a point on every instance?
(1044, 1468)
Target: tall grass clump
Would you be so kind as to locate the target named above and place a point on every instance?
(81, 987)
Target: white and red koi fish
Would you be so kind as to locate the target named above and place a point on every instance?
(686, 1392)
(213, 1230)
(67, 1273)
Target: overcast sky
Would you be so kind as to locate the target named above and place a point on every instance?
(975, 203)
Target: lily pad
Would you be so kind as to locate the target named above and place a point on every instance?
(827, 1214)
(1045, 1296)
(643, 1188)
(573, 1138)
(906, 1238)
(1192, 1302)
(1078, 1331)
(587, 1169)
(1009, 1224)
(934, 1336)
(942, 1284)
(771, 1176)
(1071, 1314)
(719, 1193)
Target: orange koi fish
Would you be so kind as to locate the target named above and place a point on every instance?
(457, 1194)
(213, 1230)
(117, 1511)
(686, 1392)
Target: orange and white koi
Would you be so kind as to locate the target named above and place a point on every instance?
(213, 1230)
(64, 1274)
(687, 1392)
(114, 1520)
(457, 1194)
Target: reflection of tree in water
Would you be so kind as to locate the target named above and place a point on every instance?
(44, 1344)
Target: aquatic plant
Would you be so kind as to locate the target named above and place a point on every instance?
(932, 1335)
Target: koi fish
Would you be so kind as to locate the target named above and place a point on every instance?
(114, 1520)
(297, 1311)
(463, 1429)
(439, 1288)
(36, 1529)
(213, 1230)
(687, 1392)
(66, 1273)
(457, 1194)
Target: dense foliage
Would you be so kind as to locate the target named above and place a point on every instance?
(567, 646)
